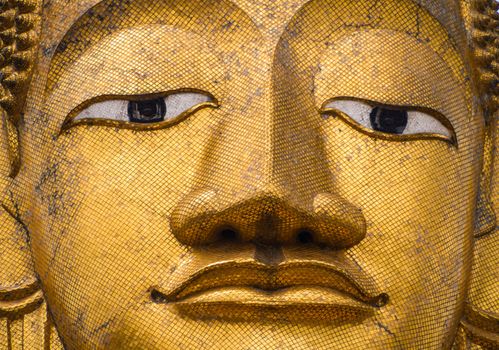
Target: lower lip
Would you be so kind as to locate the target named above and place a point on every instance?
(299, 303)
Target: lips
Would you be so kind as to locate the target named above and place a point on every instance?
(306, 284)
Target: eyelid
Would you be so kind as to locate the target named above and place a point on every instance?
(392, 137)
(69, 121)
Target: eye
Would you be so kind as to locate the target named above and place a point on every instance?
(392, 121)
(144, 112)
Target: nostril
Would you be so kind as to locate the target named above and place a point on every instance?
(304, 237)
(228, 235)
(158, 297)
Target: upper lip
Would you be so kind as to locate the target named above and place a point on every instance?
(313, 268)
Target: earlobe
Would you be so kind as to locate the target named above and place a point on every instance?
(19, 289)
(17, 277)
(20, 293)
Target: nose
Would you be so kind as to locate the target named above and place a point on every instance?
(267, 217)
(269, 182)
(266, 175)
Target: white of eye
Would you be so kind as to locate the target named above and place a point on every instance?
(146, 110)
(390, 121)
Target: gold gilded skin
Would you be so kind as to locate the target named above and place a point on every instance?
(248, 174)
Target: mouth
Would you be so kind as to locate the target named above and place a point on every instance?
(304, 287)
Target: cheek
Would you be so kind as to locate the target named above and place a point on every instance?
(101, 219)
(418, 198)
(424, 186)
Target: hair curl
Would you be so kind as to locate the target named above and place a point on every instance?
(485, 33)
(19, 22)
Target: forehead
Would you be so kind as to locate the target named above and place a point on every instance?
(71, 28)
(270, 16)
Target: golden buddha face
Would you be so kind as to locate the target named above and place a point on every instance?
(240, 174)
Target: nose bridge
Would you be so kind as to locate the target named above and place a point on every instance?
(269, 141)
(299, 161)
(236, 158)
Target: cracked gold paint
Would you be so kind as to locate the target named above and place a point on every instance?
(263, 223)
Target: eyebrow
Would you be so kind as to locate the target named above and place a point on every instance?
(441, 43)
(87, 29)
(109, 16)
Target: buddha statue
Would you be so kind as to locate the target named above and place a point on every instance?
(236, 174)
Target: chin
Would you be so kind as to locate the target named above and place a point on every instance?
(148, 326)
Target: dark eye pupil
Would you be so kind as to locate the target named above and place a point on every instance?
(388, 120)
(147, 111)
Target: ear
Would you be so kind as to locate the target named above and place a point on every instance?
(480, 324)
(19, 289)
